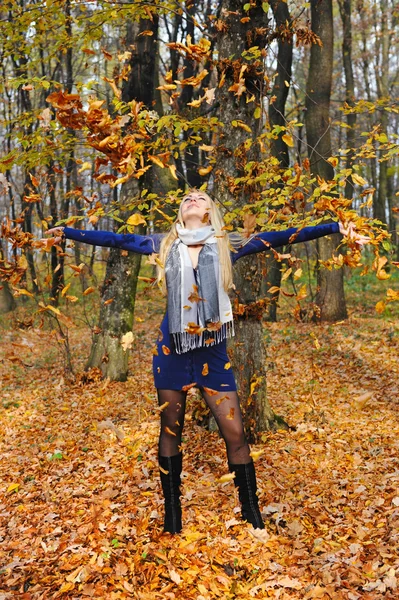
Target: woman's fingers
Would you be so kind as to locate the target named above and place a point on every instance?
(348, 230)
(56, 231)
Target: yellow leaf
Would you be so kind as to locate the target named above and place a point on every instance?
(227, 366)
(205, 170)
(226, 478)
(136, 219)
(382, 274)
(288, 139)
(286, 274)
(357, 179)
(333, 160)
(274, 289)
(392, 295)
(255, 454)
(13, 487)
(71, 298)
(22, 293)
(86, 166)
(156, 161)
(172, 169)
(65, 289)
(53, 309)
(380, 307)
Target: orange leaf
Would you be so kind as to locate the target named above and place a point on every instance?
(165, 350)
(230, 416)
(205, 369)
(88, 291)
(170, 431)
(210, 391)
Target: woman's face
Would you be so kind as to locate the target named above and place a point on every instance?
(195, 208)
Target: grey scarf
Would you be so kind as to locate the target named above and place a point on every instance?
(199, 308)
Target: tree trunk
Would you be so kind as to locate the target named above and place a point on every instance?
(116, 318)
(278, 147)
(236, 37)
(330, 296)
(380, 198)
(7, 300)
(345, 7)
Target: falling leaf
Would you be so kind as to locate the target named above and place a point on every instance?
(255, 454)
(210, 391)
(169, 431)
(127, 341)
(136, 219)
(249, 224)
(214, 326)
(230, 416)
(357, 179)
(205, 369)
(166, 350)
(226, 478)
(185, 388)
(221, 399)
(288, 139)
(194, 329)
(227, 366)
(163, 406)
(194, 297)
(205, 170)
(88, 291)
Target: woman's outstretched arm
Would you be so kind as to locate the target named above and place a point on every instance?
(260, 242)
(142, 244)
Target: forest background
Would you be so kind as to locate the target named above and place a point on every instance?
(285, 112)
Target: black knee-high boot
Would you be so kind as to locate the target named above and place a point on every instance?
(245, 481)
(170, 480)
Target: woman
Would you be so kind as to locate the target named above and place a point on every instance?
(191, 350)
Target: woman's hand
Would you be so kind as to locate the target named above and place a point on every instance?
(58, 236)
(348, 230)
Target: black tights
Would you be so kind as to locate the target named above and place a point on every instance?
(225, 407)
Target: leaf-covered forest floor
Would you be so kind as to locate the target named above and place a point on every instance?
(80, 501)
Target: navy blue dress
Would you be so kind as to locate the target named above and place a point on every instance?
(207, 367)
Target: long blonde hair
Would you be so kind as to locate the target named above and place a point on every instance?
(216, 219)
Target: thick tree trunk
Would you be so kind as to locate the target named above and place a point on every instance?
(330, 297)
(116, 318)
(7, 300)
(247, 348)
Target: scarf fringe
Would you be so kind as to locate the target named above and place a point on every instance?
(184, 341)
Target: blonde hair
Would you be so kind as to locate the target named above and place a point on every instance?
(216, 219)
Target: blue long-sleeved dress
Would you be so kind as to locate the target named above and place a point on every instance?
(205, 367)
